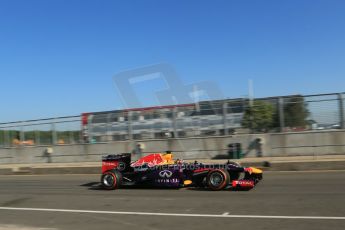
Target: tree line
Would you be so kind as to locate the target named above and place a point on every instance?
(263, 116)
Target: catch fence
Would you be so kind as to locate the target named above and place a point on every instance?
(295, 113)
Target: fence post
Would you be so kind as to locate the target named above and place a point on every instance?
(71, 137)
(7, 138)
(54, 136)
(37, 138)
(89, 129)
(174, 110)
(225, 108)
(108, 128)
(130, 130)
(281, 114)
(341, 111)
(21, 135)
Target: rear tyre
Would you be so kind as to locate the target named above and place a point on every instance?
(111, 180)
(217, 179)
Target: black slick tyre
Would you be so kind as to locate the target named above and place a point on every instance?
(111, 180)
(217, 179)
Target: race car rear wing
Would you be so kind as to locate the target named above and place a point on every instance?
(118, 161)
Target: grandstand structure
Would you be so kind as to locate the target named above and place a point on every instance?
(205, 118)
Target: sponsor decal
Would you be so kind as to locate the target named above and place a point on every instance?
(243, 183)
(109, 163)
(118, 165)
(174, 180)
(165, 174)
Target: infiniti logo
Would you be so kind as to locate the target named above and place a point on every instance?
(165, 174)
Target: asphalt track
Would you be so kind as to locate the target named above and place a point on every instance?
(283, 200)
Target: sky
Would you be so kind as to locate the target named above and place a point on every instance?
(60, 58)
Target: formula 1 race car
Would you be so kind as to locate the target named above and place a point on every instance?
(160, 170)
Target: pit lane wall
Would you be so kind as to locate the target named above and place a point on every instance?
(313, 143)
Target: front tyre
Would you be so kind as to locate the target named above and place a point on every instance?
(111, 180)
(217, 179)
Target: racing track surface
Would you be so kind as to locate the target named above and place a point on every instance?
(290, 195)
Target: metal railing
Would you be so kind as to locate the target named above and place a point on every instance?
(43, 132)
(213, 118)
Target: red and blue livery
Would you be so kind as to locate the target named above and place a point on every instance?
(160, 170)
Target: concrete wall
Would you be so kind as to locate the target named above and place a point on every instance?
(285, 144)
(308, 143)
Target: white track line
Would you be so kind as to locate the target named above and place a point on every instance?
(174, 214)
